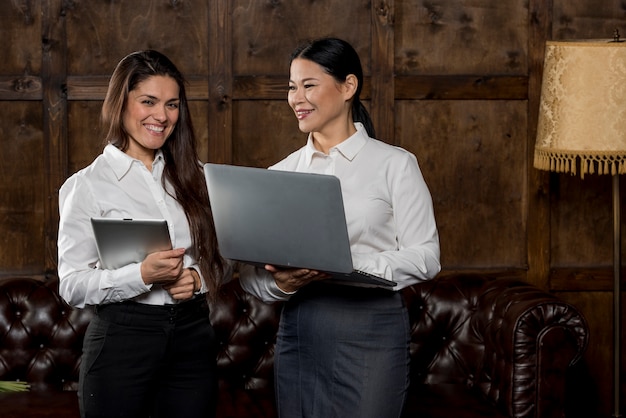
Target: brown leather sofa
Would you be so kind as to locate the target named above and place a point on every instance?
(481, 347)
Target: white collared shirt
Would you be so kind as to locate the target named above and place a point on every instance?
(115, 186)
(389, 210)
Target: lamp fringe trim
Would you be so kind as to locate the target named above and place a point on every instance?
(567, 162)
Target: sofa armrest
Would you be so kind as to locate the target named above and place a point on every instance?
(505, 338)
(531, 339)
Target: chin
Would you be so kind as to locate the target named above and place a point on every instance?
(306, 128)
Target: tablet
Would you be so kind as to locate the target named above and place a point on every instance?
(125, 241)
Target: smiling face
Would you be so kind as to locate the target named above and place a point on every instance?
(150, 115)
(321, 103)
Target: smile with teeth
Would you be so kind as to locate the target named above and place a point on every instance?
(155, 128)
(303, 113)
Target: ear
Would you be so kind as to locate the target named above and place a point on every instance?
(350, 86)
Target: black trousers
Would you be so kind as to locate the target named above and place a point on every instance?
(149, 361)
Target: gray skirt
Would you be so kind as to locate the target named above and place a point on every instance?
(342, 351)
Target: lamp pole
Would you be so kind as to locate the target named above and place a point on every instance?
(617, 256)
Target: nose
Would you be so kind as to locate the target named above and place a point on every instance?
(159, 114)
(295, 96)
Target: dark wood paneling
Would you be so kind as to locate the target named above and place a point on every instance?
(86, 141)
(20, 88)
(21, 23)
(101, 33)
(53, 74)
(382, 80)
(220, 117)
(22, 218)
(464, 148)
(457, 83)
(461, 37)
(461, 87)
(268, 131)
(264, 33)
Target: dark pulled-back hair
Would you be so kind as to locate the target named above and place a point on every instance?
(183, 170)
(339, 59)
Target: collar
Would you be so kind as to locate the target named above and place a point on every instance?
(121, 162)
(348, 148)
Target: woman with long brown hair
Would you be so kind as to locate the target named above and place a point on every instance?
(150, 349)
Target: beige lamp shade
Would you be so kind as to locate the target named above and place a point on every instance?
(582, 115)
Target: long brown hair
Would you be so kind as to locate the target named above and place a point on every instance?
(183, 170)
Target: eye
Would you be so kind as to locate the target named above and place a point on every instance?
(308, 86)
(173, 105)
(291, 88)
(148, 102)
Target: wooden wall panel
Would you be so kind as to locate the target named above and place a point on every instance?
(85, 141)
(595, 19)
(265, 32)
(582, 221)
(457, 83)
(21, 33)
(472, 156)
(477, 37)
(267, 131)
(100, 33)
(199, 110)
(21, 190)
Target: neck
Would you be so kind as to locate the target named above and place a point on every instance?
(324, 141)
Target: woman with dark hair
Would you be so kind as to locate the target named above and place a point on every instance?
(150, 349)
(343, 351)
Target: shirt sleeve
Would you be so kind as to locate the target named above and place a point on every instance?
(416, 257)
(81, 280)
(261, 283)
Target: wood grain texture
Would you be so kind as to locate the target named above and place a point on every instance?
(471, 154)
(22, 220)
(457, 83)
(266, 32)
(477, 37)
(100, 33)
(20, 23)
(53, 74)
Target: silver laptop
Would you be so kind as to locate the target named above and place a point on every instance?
(125, 241)
(286, 219)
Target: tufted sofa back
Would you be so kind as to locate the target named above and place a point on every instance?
(496, 335)
(41, 337)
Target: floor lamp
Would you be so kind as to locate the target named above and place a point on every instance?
(582, 126)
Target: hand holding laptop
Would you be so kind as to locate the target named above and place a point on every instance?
(290, 280)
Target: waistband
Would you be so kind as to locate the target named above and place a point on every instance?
(171, 312)
(329, 288)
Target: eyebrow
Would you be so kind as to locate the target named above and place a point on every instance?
(304, 80)
(149, 96)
